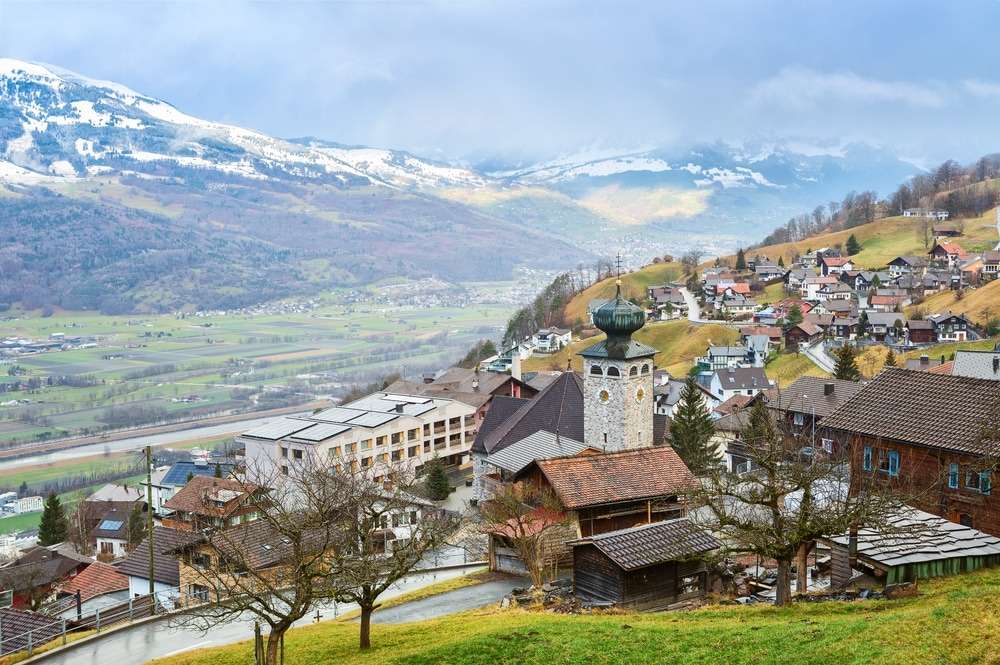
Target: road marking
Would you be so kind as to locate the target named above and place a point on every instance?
(193, 646)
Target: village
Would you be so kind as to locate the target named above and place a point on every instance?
(616, 487)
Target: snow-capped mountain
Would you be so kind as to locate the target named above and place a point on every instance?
(60, 124)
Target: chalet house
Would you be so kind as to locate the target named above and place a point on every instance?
(845, 327)
(795, 278)
(550, 340)
(840, 308)
(970, 270)
(936, 280)
(907, 265)
(773, 333)
(887, 303)
(767, 272)
(946, 231)
(737, 288)
(991, 265)
(111, 535)
(212, 503)
(939, 215)
(725, 383)
(667, 396)
(882, 324)
(668, 302)
(947, 253)
(166, 568)
(648, 567)
(737, 306)
(612, 491)
(863, 280)
(805, 403)
(921, 331)
(99, 585)
(811, 286)
(802, 334)
(168, 481)
(721, 357)
(758, 349)
(952, 327)
(33, 576)
(978, 364)
(922, 430)
(835, 291)
(834, 265)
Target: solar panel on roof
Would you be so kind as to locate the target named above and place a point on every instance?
(408, 399)
(337, 414)
(373, 419)
(322, 431)
(110, 525)
(278, 428)
(418, 409)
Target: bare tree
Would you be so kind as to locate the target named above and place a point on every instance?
(791, 495)
(527, 517)
(690, 260)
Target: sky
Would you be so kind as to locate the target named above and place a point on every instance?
(528, 81)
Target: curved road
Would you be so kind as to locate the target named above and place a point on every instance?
(157, 639)
(818, 355)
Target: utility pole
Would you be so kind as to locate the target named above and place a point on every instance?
(149, 523)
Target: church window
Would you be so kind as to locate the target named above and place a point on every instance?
(645, 369)
(613, 371)
(596, 370)
(634, 371)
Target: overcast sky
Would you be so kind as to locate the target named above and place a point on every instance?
(531, 80)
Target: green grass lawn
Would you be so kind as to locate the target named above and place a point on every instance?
(953, 621)
(787, 367)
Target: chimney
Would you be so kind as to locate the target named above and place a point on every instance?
(515, 364)
(925, 359)
(399, 405)
(475, 383)
(828, 389)
(996, 364)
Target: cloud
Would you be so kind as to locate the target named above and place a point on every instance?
(804, 89)
(982, 89)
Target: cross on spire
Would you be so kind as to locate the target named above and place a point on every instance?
(618, 262)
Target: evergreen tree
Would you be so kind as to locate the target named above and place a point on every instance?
(136, 526)
(436, 481)
(189, 477)
(847, 365)
(741, 259)
(23, 489)
(54, 527)
(794, 315)
(890, 358)
(218, 470)
(691, 430)
(863, 324)
(853, 246)
(781, 261)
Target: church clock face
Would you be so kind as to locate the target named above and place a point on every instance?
(640, 394)
(604, 395)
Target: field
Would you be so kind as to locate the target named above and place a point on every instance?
(677, 343)
(979, 304)
(953, 621)
(188, 367)
(787, 367)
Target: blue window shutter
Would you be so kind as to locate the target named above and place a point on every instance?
(953, 476)
(867, 465)
(984, 482)
(893, 463)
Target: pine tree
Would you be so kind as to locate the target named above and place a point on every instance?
(890, 358)
(741, 259)
(691, 431)
(436, 481)
(853, 246)
(23, 489)
(794, 315)
(136, 526)
(781, 261)
(847, 366)
(218, 470)
(54, 527)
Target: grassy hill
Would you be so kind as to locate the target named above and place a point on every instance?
(633, 286)
(678, 343)
(979, 303)
(953, 621)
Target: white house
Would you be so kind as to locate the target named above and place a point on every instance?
(549, 340)
(749, 381)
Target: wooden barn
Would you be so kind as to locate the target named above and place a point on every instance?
(648, 567)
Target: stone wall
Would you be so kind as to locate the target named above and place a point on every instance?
(618, 411)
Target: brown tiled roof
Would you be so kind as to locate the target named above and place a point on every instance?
(96, 579)
(733, 404)
(808, 395)
(202, 493)
(933, 410)
(165, 567)
(629, 475)
(943, 368)
(558, 409)
(258, 544)
(15, 625)
(808, 328)
(650, 544)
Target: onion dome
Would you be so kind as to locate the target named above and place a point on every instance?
(619, 317)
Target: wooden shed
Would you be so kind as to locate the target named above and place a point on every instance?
(648, 567)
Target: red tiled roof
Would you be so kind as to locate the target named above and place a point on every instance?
(835, 260)
(740, 287)
(886, 300)
(734, 403)
(951, 248)
(202, 492)
(629, 475)
(943, 368)
(96, 579)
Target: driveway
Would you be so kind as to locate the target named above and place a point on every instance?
(694, 307)
(156, 639)
(818, 355)
(459, 600)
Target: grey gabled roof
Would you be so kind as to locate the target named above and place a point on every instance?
(743, 378)
(540, 445)
(917, 537)
(650, 544)
(977, 364)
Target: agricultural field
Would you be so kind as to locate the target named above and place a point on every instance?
(178, 367)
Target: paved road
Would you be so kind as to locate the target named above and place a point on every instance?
(157, 639)
(818, 355)
(138, 442)
(694, 307)
(459, 600)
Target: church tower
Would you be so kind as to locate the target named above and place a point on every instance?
(618, 380)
